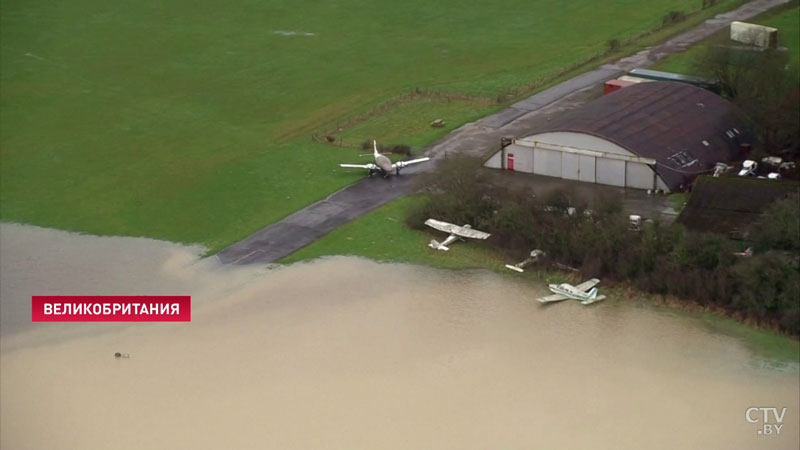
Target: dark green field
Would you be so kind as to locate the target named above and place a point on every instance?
(192, 121)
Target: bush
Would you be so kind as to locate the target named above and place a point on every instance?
(673, 17)
(779, 227)
(399, 149)
(766, 285)
(613, 45)
(704, 251)
(763, 85)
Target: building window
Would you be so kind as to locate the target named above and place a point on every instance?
(682, 159)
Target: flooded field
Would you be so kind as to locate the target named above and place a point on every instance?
(349, 353)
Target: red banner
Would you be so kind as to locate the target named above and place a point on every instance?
(109, 308)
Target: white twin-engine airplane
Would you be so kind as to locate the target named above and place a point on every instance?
(564, 291)
(382, 164)
(456, 232)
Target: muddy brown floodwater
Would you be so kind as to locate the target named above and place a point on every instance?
(348, 353)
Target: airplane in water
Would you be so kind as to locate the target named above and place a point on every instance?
(382, 164)
(586, 292)
(456, 232)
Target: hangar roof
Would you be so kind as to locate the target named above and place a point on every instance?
(686, 129)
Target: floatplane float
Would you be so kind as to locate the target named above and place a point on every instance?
(586, 292)
(456, 233)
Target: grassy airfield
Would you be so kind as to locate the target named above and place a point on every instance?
(192, 121)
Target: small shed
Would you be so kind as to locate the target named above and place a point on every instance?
(752, 34)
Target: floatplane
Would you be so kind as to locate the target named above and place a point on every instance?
(586, 292)
(382, 164)
(456, 233)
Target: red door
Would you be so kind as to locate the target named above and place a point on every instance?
(510, 162)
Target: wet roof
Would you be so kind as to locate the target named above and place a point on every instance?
(731, 204)
(686, 129)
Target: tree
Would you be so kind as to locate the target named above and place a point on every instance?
(779, 226)
(764, 85)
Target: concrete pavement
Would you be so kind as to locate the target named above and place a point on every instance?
(297, 230)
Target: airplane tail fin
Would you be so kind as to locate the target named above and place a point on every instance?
(437, 245)
(592, 294)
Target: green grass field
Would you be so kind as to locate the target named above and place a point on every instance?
(383, 236)
(785, 19)
(191, 121)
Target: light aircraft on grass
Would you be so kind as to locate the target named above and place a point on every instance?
(456, 232)
(586, 292)
(382, 164)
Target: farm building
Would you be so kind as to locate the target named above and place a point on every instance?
(657, 135)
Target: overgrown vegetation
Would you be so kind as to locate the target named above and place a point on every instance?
(614, 45)
(765, 87)
(395, 149)
(595, 237)
(673, 17)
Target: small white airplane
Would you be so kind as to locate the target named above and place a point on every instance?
(564, 291)
(382, 164)
(533, 259)
(456, 232)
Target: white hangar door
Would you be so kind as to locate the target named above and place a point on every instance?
(587, 168)
(547, 162)
(570, 166)
(639, 176)
(524, 159)
(610, 171)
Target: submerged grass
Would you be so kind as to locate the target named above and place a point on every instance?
(765, 343)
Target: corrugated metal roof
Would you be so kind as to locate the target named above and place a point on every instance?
(686, 129)
(731, 204)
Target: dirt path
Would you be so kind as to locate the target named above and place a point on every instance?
(288, 235)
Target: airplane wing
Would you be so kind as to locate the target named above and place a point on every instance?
(401, 164)
(588, 284)
(369, 166)
(457, 230)
(552, 298)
